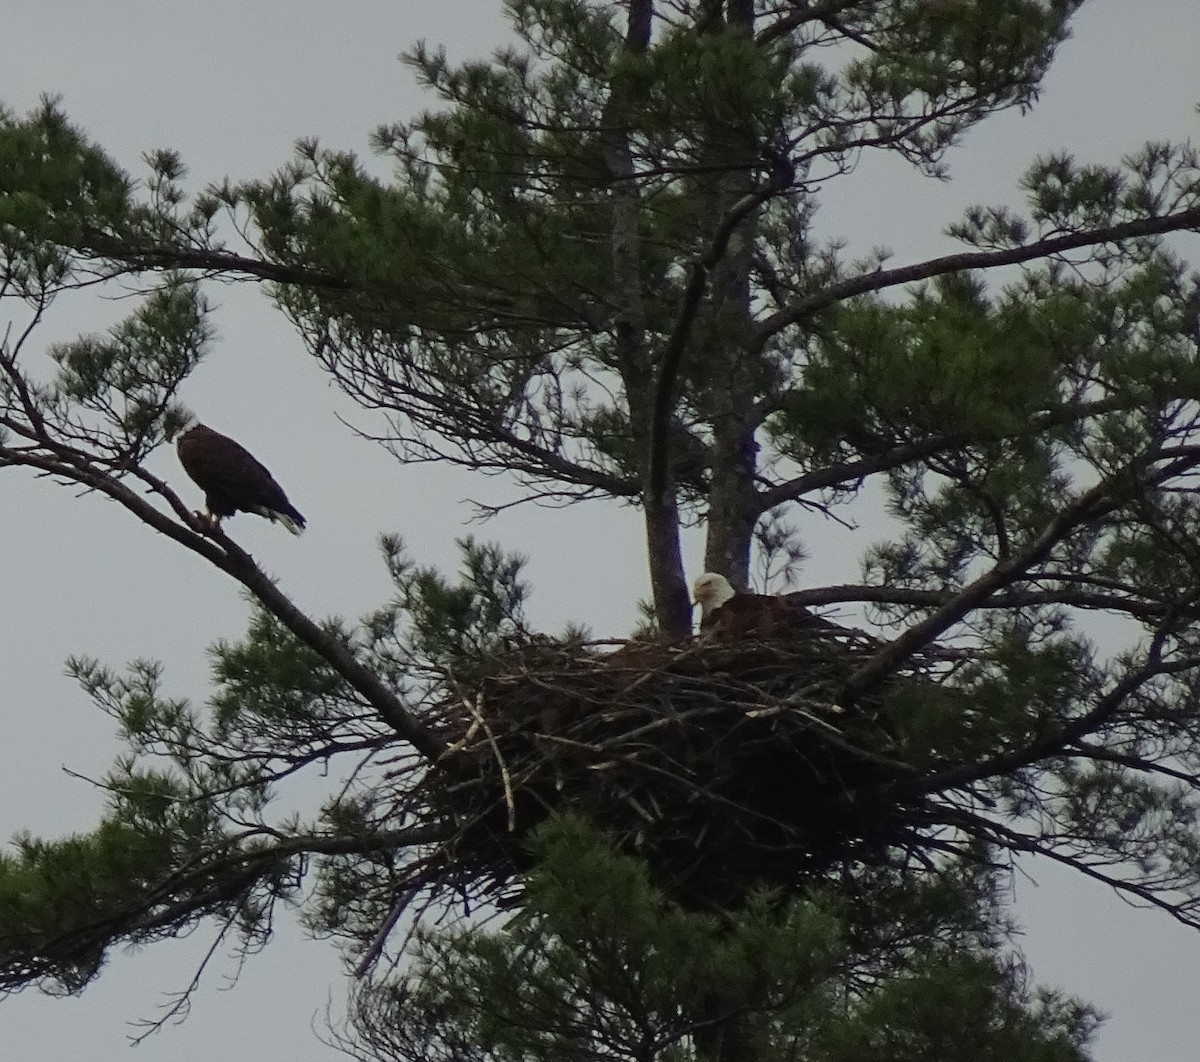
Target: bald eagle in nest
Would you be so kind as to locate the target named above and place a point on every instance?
(736, 614)
(232, 480)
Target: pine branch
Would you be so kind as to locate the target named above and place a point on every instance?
(212, 261)
(1103, 498)
(138, 256)
(785, 24)
(1016, 841)
(881, 279)
(200, 887)
(1057, 742)
(841, 473)
(1125, 602)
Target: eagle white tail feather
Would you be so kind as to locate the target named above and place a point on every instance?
(281, 518)
(290, 524)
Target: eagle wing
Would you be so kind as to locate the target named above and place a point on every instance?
(763, 616)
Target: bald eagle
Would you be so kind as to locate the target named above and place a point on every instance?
(738, 614)
(232, 480)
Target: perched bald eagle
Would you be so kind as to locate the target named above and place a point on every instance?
(738, 614)
(232, 480)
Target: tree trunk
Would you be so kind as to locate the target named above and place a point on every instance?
(672, 603)
(733, 503)
(667, 580)
(733, 509)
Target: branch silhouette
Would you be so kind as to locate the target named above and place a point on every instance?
(76, 466)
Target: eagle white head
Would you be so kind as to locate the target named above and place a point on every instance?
(710, 592)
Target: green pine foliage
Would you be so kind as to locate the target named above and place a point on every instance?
(598, 964)
(198, 824)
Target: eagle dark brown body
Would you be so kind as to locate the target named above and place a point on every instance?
(232, 479)
(737, 614)
(761, 615)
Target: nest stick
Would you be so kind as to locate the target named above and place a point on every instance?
(475, 708)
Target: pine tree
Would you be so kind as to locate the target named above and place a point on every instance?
(599, 964)
(594, 269)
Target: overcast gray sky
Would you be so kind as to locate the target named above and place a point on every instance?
(231, 86)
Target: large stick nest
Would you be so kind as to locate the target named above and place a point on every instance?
(725, 764)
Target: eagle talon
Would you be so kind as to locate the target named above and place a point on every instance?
(208, 523)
